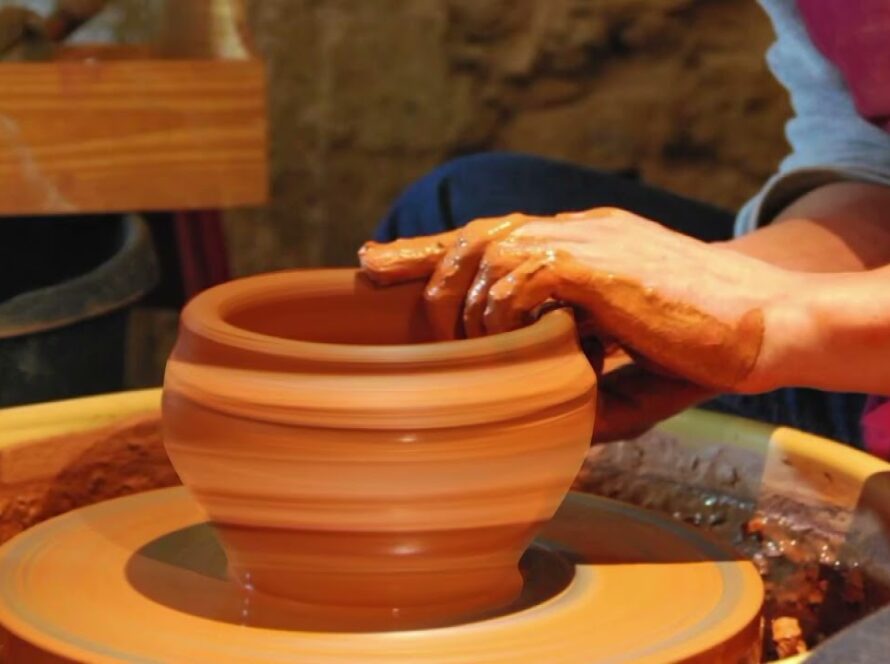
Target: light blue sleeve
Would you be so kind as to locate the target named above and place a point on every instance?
(830, 141)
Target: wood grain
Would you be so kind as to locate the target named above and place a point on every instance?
(131, 135)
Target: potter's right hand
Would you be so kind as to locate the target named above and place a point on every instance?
(679, 306)
(693, 316)
(631, 398)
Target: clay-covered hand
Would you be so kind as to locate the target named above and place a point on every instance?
(449, 260)
(692, 315)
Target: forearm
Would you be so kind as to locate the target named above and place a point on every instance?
(832, 334)
(841, 227)
(833, 331)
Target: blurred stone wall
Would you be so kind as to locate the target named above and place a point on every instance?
(368, 95)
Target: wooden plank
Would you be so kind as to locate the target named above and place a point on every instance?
(21, 425)
(131, 135)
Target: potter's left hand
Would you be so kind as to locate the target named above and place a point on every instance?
(696, 317)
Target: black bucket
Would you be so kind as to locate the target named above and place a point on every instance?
(66, 286)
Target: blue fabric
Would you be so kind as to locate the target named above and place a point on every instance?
(493, 184)
(498, 183)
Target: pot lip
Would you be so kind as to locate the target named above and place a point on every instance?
(204, 316)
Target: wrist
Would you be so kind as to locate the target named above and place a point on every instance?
(831, 332)
(791, 331)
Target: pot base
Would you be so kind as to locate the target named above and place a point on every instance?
(448, 573)
(144, 577)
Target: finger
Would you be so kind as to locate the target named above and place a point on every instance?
(513, 297)
(595, 353)
(588, 327)
(404, 259)
(499, 259)
(454, 273)
(632, 400)
(601, 212)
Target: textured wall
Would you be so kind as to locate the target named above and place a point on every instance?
(366, 96)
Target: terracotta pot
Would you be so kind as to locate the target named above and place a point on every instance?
(347, 461)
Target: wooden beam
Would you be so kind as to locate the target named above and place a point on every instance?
(91, 136)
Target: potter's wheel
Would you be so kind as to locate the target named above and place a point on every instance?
(143, 579)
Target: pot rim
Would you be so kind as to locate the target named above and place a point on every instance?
(205, 316)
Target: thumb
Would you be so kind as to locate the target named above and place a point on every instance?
(631, 400)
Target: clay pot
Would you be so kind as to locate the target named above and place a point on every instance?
(347, 461)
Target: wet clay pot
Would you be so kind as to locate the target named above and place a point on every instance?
(348, 461)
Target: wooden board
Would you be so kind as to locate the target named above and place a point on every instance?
(131, 135)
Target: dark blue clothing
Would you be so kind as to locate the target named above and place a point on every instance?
(494, 184)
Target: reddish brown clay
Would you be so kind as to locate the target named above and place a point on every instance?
(347, 460)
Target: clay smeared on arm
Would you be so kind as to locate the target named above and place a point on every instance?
(673, 335)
